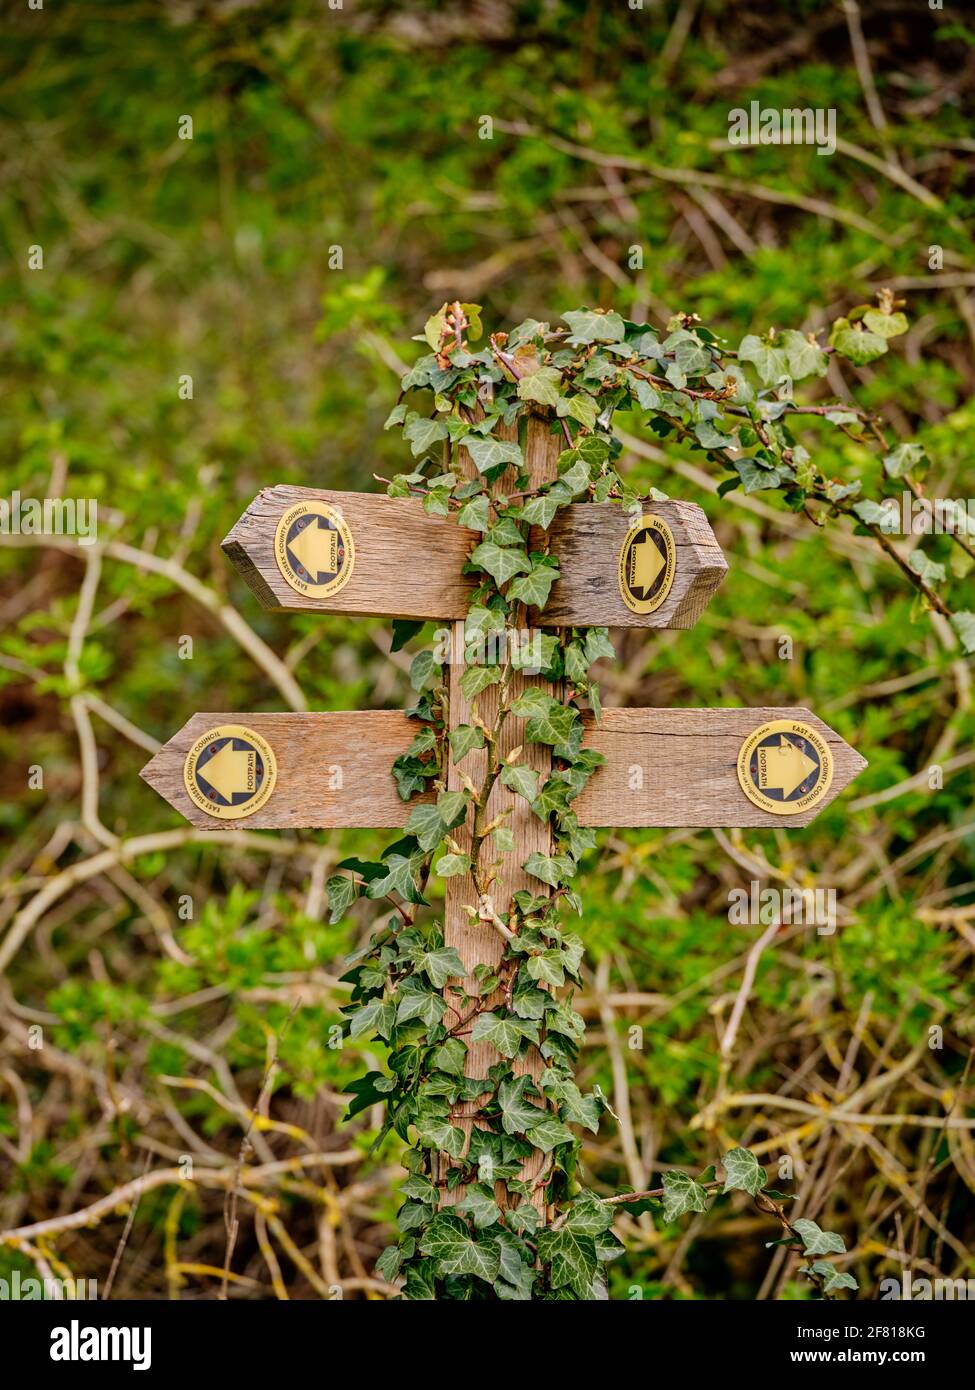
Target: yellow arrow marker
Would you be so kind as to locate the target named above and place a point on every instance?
(647, 563)
(230, 770)
(784, 767)
(317, 549)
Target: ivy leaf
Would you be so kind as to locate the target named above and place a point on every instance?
(769, 362)
(859, 346)
(598, 644)
(377, 1016)
(342, 890)
(426, 823)
(437, 502)
(464, 739)
(478, 678)
(885, 325)
(474, 514)
(517, 1275)
(578, 1109)
(371, 1089)
(491, 453)
(452, 807)
(501, 563)
(903, 459)
(504, 1034)
(542, 386)
(480, 622)
(441, 965)
(421, 1277)
(577, 478)
(504, 839)
(547, 967)
(423, 434)
(588, 1216)
(450, 865)
(576, 664)
(399, 878)
(434, 328)
(873, 514)
(581, 408)
(525, 331)
(711, 438)
(682, 1194)
(517, 1112)
(450, 1057)
(535, 587)
(521, 780)
(690, 354)
(540, 511)
(450, 1243)
(550, 868)
(833, 1278)
(536, 651)
(817, 1241)
(416, 1001)
(505, 531)
(930, 570)
(424, 671)
(419, 1188)
(592, 326)
(396, 416)
(754, 476)
(743, 1172)
(403, 630)
(805, 358)
(549, 1134)
(964, 625)
(479, 1204)
(438, 1133)
(571, 1257)
(387, 1266)
(549, 721)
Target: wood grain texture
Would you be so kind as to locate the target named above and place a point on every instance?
(588, 539)
(333, 770)
(678, 767)
(686, 760)
(408, 564)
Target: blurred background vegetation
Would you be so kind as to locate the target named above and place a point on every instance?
(133, 1038)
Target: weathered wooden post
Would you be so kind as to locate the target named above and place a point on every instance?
(478, 941)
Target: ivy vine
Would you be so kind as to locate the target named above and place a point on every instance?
(525, 1226)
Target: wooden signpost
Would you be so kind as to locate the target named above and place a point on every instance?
(301, 550)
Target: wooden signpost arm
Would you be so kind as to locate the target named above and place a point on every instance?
(408, 564)
(664, 768)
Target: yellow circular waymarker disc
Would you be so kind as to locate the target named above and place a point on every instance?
(230, 772)
(785, 767)
(648, 562)
(314, 549)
